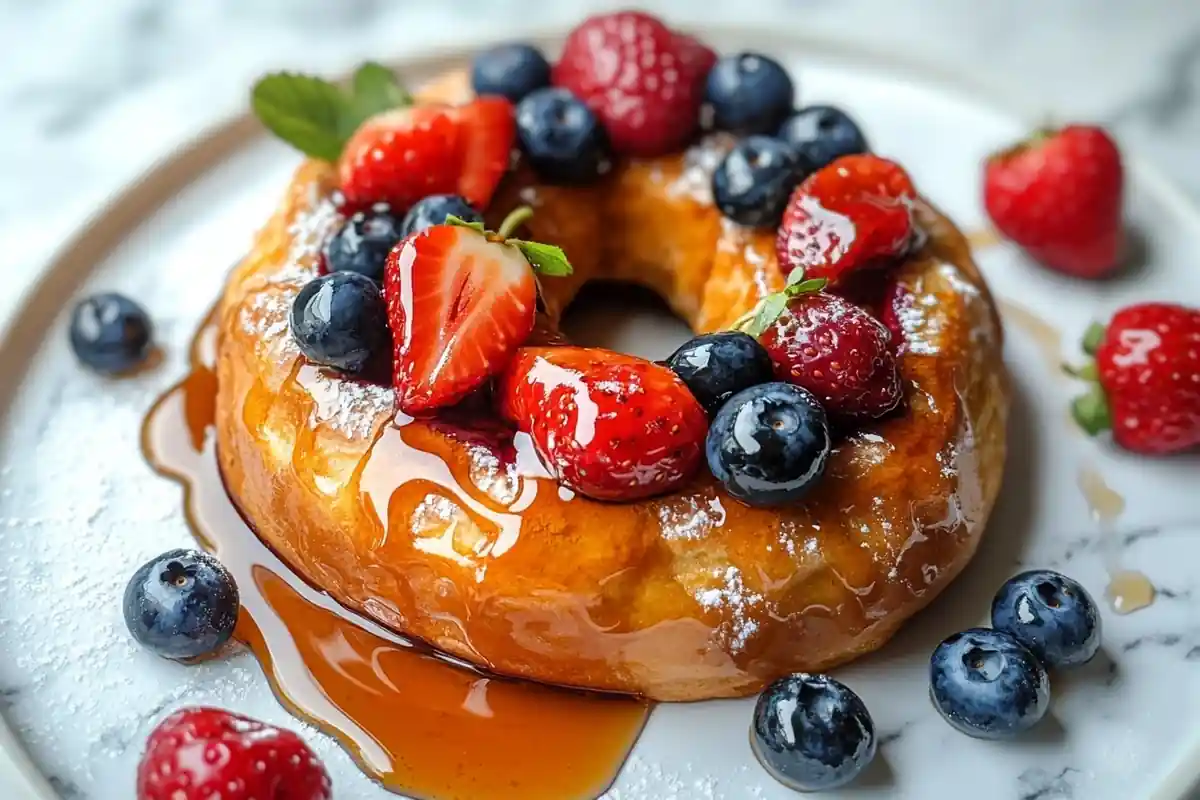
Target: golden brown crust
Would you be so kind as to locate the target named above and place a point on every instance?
(445, 536)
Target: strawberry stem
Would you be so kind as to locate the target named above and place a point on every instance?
(1092, 338)
(1091, 411)
(512, 223)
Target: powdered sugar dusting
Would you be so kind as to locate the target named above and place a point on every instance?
(700, 161)
(690, 517)
(352, 408)
(736, 602)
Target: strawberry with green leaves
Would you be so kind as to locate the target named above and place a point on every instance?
(825, 344)
(387, 149)
(460, 301)
(1145, 379)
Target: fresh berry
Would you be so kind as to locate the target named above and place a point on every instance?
(987, 684)
(363, 242)
(433, 210)
(110, 333)
(812, 733)
(1146, 379)
(204, 753)
(748, 93)
(339, 320)
(1059, 197)
(182, 604)
(561, 137)
(608, 425)
(644, 81)
(752, 183)
(716, 366)
(510, 70)
(401, 156)
(823, 134)
(460, 302)
(851, 214)
(769, 444)
(1051, 614)
(826, 344)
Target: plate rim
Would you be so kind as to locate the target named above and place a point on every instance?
(98, 234)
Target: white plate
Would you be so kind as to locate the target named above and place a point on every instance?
(79, 509)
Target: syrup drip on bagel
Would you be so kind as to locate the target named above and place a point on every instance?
(415, 720)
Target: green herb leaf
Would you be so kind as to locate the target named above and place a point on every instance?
(806, 287)
(308, 113)
(765, 314)
(376, 89)
(546, 259)
(462, 223)
(1091, 411)
(794, 277)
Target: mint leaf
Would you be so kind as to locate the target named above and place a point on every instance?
(308, 113)
(768, 310)
(376, 89)
(462, 223)
(546, 259)
(794, 277)
(806, 287)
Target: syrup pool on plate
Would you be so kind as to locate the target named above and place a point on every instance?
(1128, 590)
(413, 720)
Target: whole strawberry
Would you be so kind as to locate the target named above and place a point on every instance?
(829, 346)
(1058, 195)
(608, 425)
(202, 753)
(852, 214)
(460, 301)
(644, 81)
(1146, 379)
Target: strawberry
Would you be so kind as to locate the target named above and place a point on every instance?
(460, 302)
(201, 753)
(1058, 195)
(828, 345)
(644, 81)
(851, 214)
(608, 425)
(1146, 379)
(401, 156)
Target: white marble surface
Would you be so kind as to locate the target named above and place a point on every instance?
(91, 93)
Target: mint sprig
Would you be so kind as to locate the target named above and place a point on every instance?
(546, 259)
(316, 116)
(756, 321)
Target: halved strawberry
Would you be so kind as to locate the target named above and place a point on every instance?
(403, 155)
(460, 301)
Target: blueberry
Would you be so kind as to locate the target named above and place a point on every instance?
(1051, 614)
(748, 93)
(110, 333)
(987, 684)
(363, 242)
(821, 134)
(339, 320)
(716, 366)
(510, 70)
(433, 210)
(752, 183)
(768, 444)
(182, 604)
(561, 137)
(812, 733)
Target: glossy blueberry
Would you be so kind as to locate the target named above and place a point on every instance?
(812, 733)
(716, 366)
(510, 70)
(561, 138)
(987, 684)
(433, 210)
(768, 444)
(339, 320)
(821, 134)
(748, 93)
(363, 242)
(182, 604)
(1051, 614)
(110, 333)
(752, 183)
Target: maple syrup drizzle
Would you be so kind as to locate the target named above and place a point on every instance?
(984, 239)
(1128, 590)
(415, 720)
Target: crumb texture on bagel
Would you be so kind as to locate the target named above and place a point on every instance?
(449, 530)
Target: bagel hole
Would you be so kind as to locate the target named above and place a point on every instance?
(624, 317)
